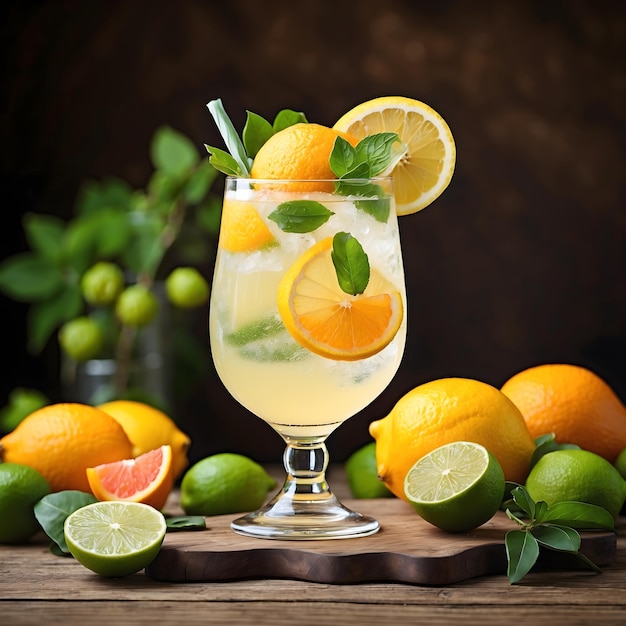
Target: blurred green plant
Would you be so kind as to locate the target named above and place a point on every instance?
(91, 279)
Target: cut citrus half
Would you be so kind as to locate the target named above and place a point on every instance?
(149, 478)
(326, 320)
(115, 538)
(242, 229)
(456, 487)
(427, 167)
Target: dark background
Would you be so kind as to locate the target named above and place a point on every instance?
(521, 261)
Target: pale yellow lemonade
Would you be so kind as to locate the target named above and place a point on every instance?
(302, 395)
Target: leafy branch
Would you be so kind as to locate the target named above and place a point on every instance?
(552, 527)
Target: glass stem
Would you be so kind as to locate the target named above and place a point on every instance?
(305, 464)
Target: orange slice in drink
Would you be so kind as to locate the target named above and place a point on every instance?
(242, 229)
(149, 478)
(427, 167)
(329, 322)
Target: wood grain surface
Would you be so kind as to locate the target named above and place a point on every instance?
(406, 550)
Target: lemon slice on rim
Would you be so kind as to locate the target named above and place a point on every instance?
(427, 167)
(329, 322)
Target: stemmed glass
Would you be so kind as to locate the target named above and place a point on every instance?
(280, 241)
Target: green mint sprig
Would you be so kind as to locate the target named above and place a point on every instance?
(373, 156)
(552, 527)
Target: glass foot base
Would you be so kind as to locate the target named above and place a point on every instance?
(286, 519)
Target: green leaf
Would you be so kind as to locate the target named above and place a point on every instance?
(22, 402)
(198, 184)
(541, 510)
(229, 135)
(300, 216)
(52, 510)
(524, 501)
(557, 537)
(28, 277)
(547, 443)
(377, 151)
(351, 263)
(172, 152)
(223, 162)
(145, 249)
(45, 235)
(286, 118)
(580, 515)
(256, 132)
(176, 523)
(208, 215)
(109, 193)
(45, 317)
(522, 551)
(343, 157)
(375, 203)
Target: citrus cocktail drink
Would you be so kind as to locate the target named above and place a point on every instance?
(308, 304)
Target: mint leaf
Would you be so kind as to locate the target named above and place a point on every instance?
(300, 216)
(229, 135)
(377, 151)
(342, 158)
(522, 551)
(375, 202)
(351, 264)
(580, 515)
(288, 117)
(223, 162)
(256, 132)
(557, 537)
(52, 510)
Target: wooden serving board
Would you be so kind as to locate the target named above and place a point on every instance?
(406, 549)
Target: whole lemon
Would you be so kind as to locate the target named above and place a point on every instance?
(61, 441)
(572, 402)
(149, 428)
(299, 152)
(579, 476)
(448, 410)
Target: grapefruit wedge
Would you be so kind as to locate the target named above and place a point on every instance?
(148, 479)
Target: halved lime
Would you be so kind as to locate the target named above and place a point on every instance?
(456, 487)
(115, 538)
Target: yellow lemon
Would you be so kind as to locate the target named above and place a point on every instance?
(445, 411)
(149, 429)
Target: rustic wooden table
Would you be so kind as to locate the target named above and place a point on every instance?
(37, 587)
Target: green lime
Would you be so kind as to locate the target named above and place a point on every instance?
(456, 487)
(21, 487)
(620, 463)
(187, 288)
(577, 475)
(81, 338)
(102, 283)
(136, 306)
(362, 474)
(224, 483)
(115, 538)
